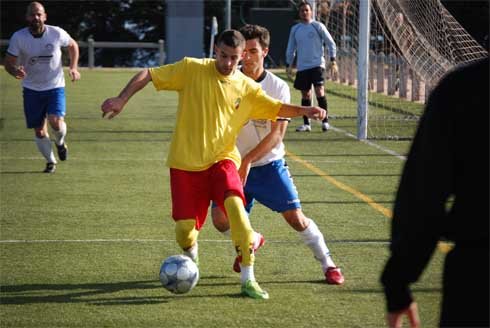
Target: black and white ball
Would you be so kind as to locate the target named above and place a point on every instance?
(179, 274)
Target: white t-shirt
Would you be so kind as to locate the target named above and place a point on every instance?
(41, 57)
(255, 130)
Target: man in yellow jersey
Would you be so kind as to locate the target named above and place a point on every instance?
(215, 101)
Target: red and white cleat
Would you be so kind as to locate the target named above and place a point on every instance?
(334, 276)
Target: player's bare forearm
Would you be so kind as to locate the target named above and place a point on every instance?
(113, 106)
(268, 143)
(313, 112)
(11, 67)
(74, 54)
(138, 82)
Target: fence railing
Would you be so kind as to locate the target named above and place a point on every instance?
(388, 74)
(91, 44)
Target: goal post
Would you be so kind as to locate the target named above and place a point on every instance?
(363, 69)
(390, 54)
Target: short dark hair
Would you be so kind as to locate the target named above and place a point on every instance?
(231, 38)
(304, 3)
(250, 32)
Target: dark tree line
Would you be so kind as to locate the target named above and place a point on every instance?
(111, 20)
(144, 20)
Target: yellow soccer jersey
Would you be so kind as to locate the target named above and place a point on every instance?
(212, 110)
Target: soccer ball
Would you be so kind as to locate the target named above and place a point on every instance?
(179, 274)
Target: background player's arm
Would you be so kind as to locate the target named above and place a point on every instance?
(114, 106)
(11, 67)
(74, 54)
(278, 130)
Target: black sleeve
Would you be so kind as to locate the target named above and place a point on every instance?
(419, 210)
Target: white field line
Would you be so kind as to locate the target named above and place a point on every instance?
(372, 144)
(85, 159)
(127, 240)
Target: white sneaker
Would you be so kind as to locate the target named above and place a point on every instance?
(325, 126)
(303, 128)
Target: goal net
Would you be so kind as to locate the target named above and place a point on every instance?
(413, 44)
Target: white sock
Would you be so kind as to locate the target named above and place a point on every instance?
(247, 273)
(227, 233)
(44, 146)
(59, 136)
(313, 238)
(192, 252)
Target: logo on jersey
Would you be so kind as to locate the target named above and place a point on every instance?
(237, 102)
(40, 60)
(49, 47)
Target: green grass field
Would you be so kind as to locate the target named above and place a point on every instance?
(82, 247)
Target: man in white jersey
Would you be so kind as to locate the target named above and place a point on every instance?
(263, 170)
(34, 56)
(306, 41)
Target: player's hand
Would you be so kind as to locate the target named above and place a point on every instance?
(289, 73)
(317, 113)
(74, 74)
(395, 319)
(20, 72)
(334, 70)
(112, 107)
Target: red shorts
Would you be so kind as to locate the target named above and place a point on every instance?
(192, 192)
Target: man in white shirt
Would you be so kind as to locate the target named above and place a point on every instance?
(264, 172)
(34, 56)
(306, 41)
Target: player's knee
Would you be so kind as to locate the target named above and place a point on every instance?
(41, 133)
(55, 121)
(220, 221)
(186, 233)
(296, 219)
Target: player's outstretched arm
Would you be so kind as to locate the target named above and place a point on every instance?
(312, 112)
(113, 106)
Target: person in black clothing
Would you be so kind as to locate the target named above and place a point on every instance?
(443, 194)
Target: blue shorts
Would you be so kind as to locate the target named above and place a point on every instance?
(272, 186)
(39, 104)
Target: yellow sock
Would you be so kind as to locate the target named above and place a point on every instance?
(186, 233)
(241, 230)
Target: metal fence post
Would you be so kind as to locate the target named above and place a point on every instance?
(161, 54)
(91, 56)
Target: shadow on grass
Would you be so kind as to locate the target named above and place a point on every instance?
(380, 290)
(99, 293)
(343, 202)
(24, 172)
(346, 175)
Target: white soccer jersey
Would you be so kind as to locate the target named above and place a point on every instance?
(41, 57)
(255, 130)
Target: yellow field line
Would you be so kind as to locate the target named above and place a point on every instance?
(383, 210)
(442, 246)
